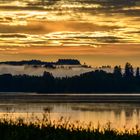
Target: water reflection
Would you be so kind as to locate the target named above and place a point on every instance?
(119, 115)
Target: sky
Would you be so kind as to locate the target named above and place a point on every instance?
(98, 32)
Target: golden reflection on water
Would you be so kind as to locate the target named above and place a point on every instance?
(119, 115)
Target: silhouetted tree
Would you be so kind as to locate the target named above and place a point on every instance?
(117, 71)
(128, 70)
(68, 62)
(47, 75)
(90, 82)
(137, 72)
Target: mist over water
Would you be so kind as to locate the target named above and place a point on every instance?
(38, 71)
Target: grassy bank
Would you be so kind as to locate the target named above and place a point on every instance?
(61, 130)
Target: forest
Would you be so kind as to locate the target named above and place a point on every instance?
(97, 81)
(39, 63)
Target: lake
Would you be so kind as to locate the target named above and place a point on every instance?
(119, 114)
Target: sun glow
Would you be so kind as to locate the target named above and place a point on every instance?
(64, 24)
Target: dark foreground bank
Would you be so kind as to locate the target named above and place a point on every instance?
(46, 131)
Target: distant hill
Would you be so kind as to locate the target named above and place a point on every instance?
(97, 81)
(68, 62)
(59, 68)
(38, 62)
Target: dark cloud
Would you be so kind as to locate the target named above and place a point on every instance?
(13, 35)
(103, 39)
(87, 6)
(56, 4)
(130, 12)
(29, 28)
(111, 3)
(109, 39)
(134, 32)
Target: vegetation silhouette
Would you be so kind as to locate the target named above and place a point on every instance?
(38, 62)
(61, 130)
(97, 81)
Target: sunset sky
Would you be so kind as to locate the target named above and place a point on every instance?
(98, 32)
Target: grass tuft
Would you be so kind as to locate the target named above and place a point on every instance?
(63, 129)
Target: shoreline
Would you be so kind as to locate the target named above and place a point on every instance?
(68, 98)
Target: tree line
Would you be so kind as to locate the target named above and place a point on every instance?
(39, 62)
(97, 81)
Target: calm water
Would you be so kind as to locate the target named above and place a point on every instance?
(119, 114)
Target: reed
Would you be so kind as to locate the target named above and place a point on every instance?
(63, 129)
